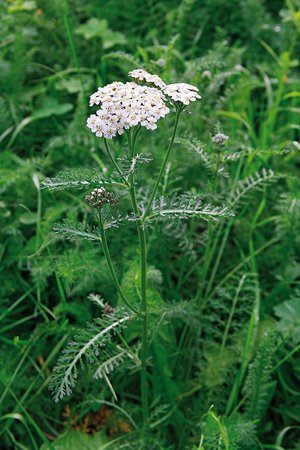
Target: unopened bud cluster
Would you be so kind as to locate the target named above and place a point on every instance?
(220, 139)
(108, 309)
(100, 197)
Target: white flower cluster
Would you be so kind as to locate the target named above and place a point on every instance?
(143, 75)
(179, 92)
(182, 92)
(125, 105)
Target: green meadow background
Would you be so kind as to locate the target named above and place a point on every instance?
(225, 373)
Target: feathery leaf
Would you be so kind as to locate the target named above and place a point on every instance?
(72, 230)
(87, 343)
(185, 206)
(253, 182)
(78, 179)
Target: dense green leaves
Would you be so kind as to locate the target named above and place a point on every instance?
(289, 314)
(76, 440)
(99, 28)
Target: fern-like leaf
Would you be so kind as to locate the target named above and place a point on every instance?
(97, 300)
(253, 182)
(72, 230)
(84, 348)
(259, 387)
(123, 57)
(197, 147)
(111, 363)
(236, 155)
(129, 166)
(116, 220)
(185, 206)
(78, 179)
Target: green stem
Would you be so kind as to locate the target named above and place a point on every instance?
(144, 385)
(232, 310)
(110, 265)
(162, 169)
(287, 356)
(217, 170)
(143, 263)
(115, 162)
(143, 308)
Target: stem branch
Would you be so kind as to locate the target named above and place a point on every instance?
(162, 169)
(110, 264)
(115, 162)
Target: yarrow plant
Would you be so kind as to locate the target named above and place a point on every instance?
(124, 108)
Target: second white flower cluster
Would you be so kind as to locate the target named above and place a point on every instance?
(126, 105)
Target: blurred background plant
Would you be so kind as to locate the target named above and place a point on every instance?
(230, 291)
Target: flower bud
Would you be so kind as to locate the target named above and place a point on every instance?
(220, 139)
(99, 197)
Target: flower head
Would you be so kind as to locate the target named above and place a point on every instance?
(143, 75)
(220, 139)
(100, 197)
(182, 92)
(108, 309)
(161, 62)
(125, 105)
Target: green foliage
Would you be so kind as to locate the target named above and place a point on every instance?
(75, 440)
(288, 314)
(223, 292)
(259, 387)
(99, 28)
(228, 434)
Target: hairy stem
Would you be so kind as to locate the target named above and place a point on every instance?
(162, 169)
